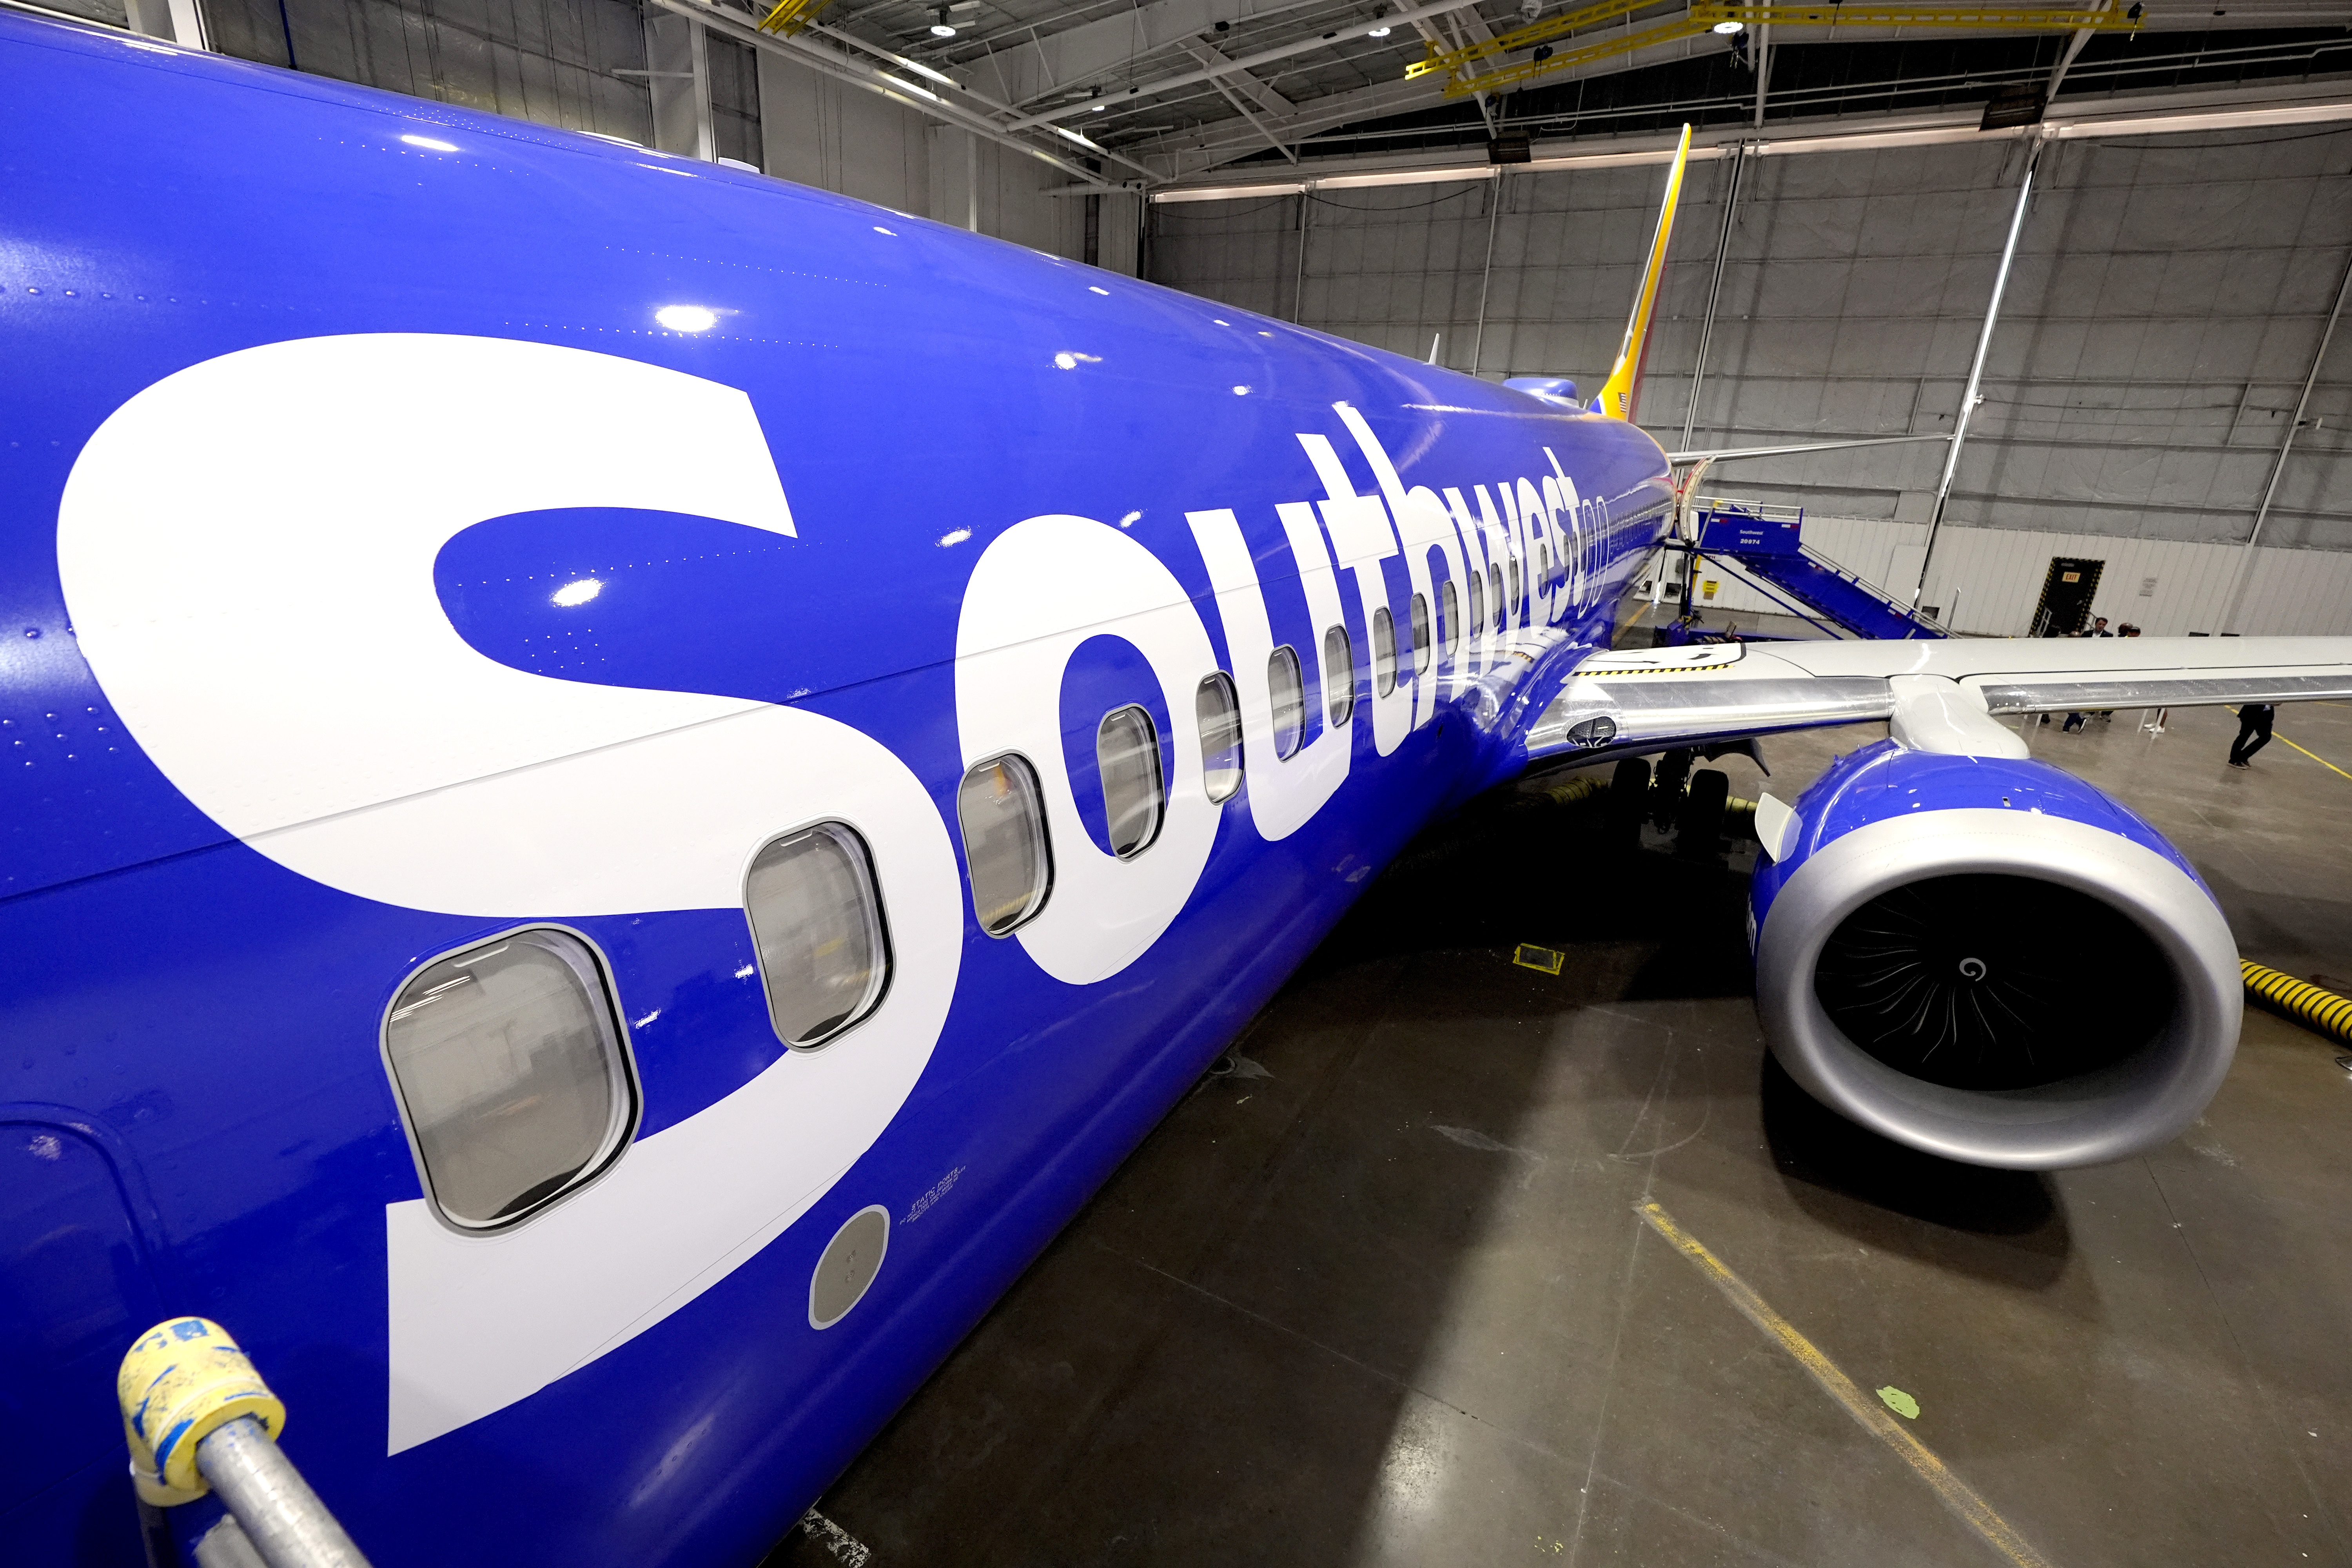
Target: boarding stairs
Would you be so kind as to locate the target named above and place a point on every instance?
(1766, 544)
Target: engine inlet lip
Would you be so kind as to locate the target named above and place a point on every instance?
(2111, 1114)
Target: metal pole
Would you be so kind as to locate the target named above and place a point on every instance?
(971, 183)
(1976, 373)
(1298, 278)
(2278, 464)
(1713, 288)
(283, 1519)
(1486, 274)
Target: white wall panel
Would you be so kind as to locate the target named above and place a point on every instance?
(1998, 572)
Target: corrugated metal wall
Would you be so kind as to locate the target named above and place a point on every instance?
(825, 132)
(552, 61)
(580, 63)
(2167, 298)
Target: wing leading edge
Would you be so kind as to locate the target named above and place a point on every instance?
(1942, 696)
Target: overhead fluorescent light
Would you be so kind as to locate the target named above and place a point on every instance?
(1231, 192)
(1401, 177)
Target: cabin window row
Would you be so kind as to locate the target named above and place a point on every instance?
(1008, 852)
(509, 1058)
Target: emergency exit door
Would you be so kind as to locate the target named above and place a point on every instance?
(2067, 595)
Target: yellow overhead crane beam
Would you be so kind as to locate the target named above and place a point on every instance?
(1945, 18)
(1662, 32)
(1534, 33)
(792, 17)
(1705, 15)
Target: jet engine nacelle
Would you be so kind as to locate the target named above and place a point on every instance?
(1989, 960)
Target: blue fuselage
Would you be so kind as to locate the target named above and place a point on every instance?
(321, 406)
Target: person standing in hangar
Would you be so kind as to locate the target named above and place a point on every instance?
(2253, 732)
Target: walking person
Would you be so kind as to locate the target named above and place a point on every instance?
(2253, 720)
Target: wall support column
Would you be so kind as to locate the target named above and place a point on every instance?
(1298, 274)
(1969, 398)
(181, 22)
(2245, 568)
(677, 79)
(971, 183)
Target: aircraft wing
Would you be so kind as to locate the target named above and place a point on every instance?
(1946, 695)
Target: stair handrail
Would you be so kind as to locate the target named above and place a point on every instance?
(1839, 631)
(1893, 602)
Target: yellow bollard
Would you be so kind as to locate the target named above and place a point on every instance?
(181, 1382)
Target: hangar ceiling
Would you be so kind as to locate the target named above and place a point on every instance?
(1189, 85)
(1145, 92)
(1181, 86)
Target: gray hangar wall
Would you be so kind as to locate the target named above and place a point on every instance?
(580, 64)
(2167, 298)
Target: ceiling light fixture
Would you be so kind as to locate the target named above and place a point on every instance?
(1727, 28)
(1379, 32)
(943, 29)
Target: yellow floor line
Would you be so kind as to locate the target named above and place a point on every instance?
(2322, 762)
(1874, 1417)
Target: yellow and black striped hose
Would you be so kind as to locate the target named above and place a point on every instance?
(2299, 1000)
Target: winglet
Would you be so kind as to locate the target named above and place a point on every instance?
(1616, 398)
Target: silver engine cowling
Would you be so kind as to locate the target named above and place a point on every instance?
(1990, 960)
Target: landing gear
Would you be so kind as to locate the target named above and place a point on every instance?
(1666, 793)
(1699, 824)
(1629, 802)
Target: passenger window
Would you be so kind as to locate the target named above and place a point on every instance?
(1419, 611)
(1127, 755)
(509, 1062)
(1452, 611)
(816, 920)
(1543, 564)
(1477, 602)
(1287, 695)
(1501, 605)
(1512, 608)
(1383, 652)
(1339, 676)
(1220, 717)
(1005, 842)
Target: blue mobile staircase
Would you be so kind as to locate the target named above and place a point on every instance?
(1770, 552)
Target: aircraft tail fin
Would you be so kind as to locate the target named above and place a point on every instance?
(1616, 398)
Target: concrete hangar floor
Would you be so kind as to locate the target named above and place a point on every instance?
(1380, 1291)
